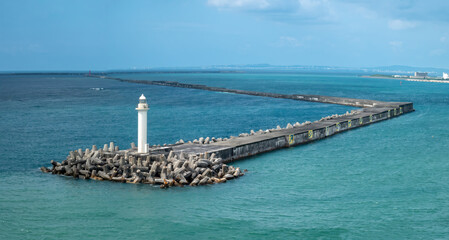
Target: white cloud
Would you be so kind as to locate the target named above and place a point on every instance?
(286, 41)
(312, 4)
(244, 4)
(398, 24)
(313, 11)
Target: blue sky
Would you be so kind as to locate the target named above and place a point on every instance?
(102, 35)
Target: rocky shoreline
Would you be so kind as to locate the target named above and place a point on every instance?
(128, 166)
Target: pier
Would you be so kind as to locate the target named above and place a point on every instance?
(205, 160)
(371, 111)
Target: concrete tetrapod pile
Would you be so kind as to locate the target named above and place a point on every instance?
(130, 167)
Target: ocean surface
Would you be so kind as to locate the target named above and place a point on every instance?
(389, 180)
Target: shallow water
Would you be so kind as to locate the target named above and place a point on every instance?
(386, 180)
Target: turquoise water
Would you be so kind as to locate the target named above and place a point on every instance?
(389, 180)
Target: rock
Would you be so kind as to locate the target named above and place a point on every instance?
(132, 160)
(297, 124)
(237, 172)
(179, 171)
(207, 173)
(228, 176)
(203, 163)
(158, 181)
(149, 180)
(204, 181)
(278, 127)
(111, 147)
(221, 180)
(68, 170)
(164, 173)
(170, 155)
(169, 173)
(216, 168)
(187, 174)
(80, 152)
(201, 140)
(181, 141)
(105, 148)
(224, 168)
(183, 180)
(45, 170)
(186, 165)
(153, 169)
(289, 126)
(118, 179)
(206, 141)
(195, 182)
(139, 162)
(72, 155)
(133, 146)
(103, 175)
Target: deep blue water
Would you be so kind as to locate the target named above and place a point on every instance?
(389, 180)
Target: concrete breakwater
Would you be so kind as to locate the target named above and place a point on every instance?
(245, 145)
(128, 166)
(205, 160)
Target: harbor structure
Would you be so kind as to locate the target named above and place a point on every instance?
(445, 76)
(205, 160)
(420, 75)
(142, 112)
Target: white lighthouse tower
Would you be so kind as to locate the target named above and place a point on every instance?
(142, 109)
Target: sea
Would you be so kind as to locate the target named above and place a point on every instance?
(388, 180)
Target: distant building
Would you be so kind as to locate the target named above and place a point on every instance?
(445, 76)
(418, 74)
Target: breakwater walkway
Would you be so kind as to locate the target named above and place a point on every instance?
(248, 144)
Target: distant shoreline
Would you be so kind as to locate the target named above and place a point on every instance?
(409, 79)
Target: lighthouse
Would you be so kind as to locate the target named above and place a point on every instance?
(142, 109)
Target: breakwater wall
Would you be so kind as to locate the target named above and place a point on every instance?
(302, 97)
(205, 161)
(371, 111)
(264, 141)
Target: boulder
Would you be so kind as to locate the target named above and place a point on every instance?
(195, 182)
(45, 170)
(228, 176)
(204, 181)
(203, 163)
